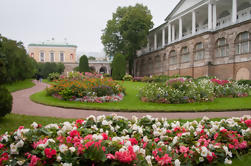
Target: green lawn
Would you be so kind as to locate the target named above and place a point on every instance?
(131, 102)
(19, 85)
(11, 122)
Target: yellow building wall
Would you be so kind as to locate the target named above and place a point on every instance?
(34, 51)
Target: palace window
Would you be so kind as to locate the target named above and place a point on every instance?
(52, 57)
(61, 57)
(41, 56)
(173, 58)
(185, 57)
(157, 63)
(243, 43)
(199, 51)
(222, 48)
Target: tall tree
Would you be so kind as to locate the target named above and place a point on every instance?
(83, 64)
(118, 67)
(127, 32)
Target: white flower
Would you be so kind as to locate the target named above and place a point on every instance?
(104, 123)
(20, 162)
(59, 158)
(128, 143)
(72, 149)
(135, 148)
(42, 146)
(34, 125)
(228, 161)
(13, 149)
(63, 148)
(177, 162)
(20, 144)
(175, 140)
(201, 159)
(204, 151)
(66, 164)
(148, 159)
(50, 141)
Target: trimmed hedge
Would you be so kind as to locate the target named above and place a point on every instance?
(5, 101)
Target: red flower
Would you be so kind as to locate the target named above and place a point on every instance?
(1, 146)
(133, 141)
(110, 156)
(105, 136)
(74, 133)
(248, 122)
(165, 160)
(126, 156)
(49, 153)
(79, 122)
(34, 160)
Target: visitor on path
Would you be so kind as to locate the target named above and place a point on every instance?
(40, 78)
(37, 77)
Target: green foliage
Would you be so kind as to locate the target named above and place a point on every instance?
(91, 58)
(118, 67)
(83, 64)
(53, 76)
(15, 63)
(127, 77)
(244, 82)
(5, 101)
(44, 69)
(127, 32)
(76, 68)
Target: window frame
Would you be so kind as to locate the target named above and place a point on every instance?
(173, 55)
(185, 54)
(198, 51)
(40, 56)
(220, 48)
(241, 43)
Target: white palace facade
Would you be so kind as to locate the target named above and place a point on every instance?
(200, 38)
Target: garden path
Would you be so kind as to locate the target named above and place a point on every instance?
(23, 105)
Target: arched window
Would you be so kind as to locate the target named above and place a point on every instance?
(199, 51)
(41, 56)
(52, 56)
(157, 63)
(61, 57)
(222, 47)
(172, 58)
(243, 43)
(185, 57)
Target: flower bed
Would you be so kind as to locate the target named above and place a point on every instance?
(182, 90)
(114, 140)
(87, 90)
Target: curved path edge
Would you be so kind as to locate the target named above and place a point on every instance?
(23, 105)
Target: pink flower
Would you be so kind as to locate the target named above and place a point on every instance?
(183, 149)
(105, 136)
(243, 145)
(133, 141)
(110, 156)
(49, 153)
(1, 146)
(126, 156)
(248, 122)
(74, 133)
(165, 160)
(34, 160)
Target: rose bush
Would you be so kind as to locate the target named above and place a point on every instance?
(115, 140)
(87, 90)
(182, 90)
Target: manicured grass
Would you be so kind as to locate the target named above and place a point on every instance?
(131, 102)
(11, 122)
(19, 85)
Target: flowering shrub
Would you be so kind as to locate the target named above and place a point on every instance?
(115, 140)
(127, 77)
(87, 90)
(53, 76)
(182, 90)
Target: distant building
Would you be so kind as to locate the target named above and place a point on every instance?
(51, 51)
(200, 38)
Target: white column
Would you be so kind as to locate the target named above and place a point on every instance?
(180, 28)
(214, 16)
(155, 41)
(163, 37)
(209, 16)
(169, 34)
(173, 32)
(193, 22)
(234, 11)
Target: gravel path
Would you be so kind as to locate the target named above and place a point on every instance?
(23, 105)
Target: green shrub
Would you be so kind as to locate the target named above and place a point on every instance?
(44, 69)
(53, 76)
(83, 64)
(127, 77)
(244, 82)
(5, 101)
(118, 67)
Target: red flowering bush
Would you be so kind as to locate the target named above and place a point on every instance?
(115, 140)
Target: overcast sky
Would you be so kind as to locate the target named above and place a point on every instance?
(80, 21)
